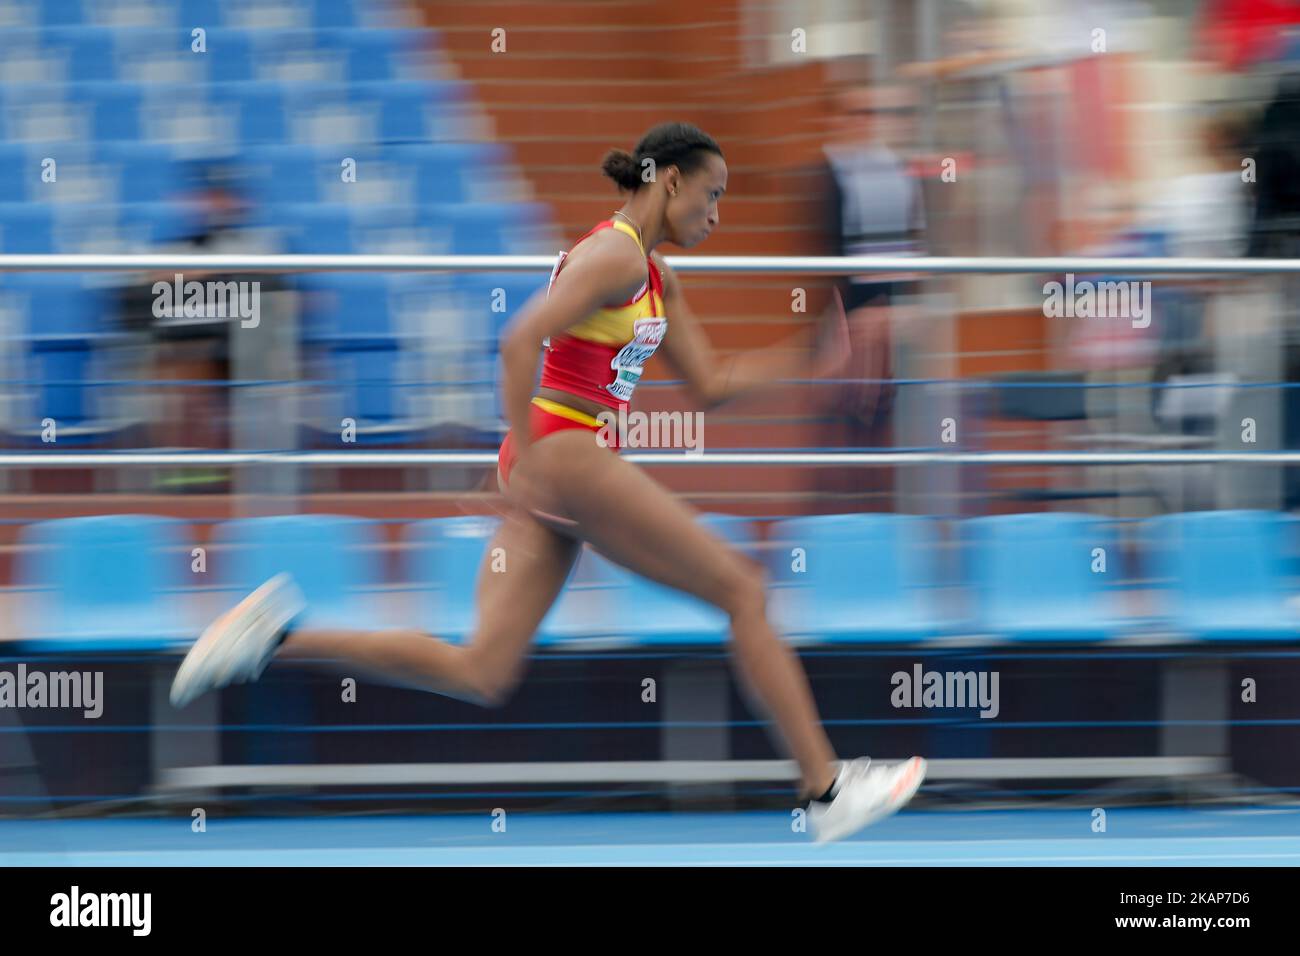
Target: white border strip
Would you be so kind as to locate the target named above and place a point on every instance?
(743, 265)
(370, 458)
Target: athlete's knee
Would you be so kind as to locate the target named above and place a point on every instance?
(491, 683)
(493, 689)
(496, 693)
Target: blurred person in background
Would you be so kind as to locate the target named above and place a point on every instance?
(198, 348)
(1203, 213)
(1274, 142)
(872, 206)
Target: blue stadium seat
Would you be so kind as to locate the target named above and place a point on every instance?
(20, 170)
(661, 615)
(483, 313)
(601, 602)
(490, 228)
(407, 111)
(442, 564)
(146, 172)
(79, 177)
(61, 13)
(41, 64)
(190, 115)
(106, 582)
(200, 13)
(1032, 577)
(89, 52)
(308, 229)
(373, 55)
(334, 559)
(335, 227)
(1223, 574)
(444, 171)
(591, 609)
(60, 306)
(292, 173)
(32, 112)
(353, 310)
(296, 57)
(608, 605)
(158, 223)
(259, 108)
(71, 176)
(230, 55)
(115, 108)
(334, 14)
(62, 395)
(371, 384)
(56, 227)
(367, 376)
(368, 344)
(305, 173)
(151, 56)
(398, 111)
(66, 321)
(94, 227)
(26, 228)
(353, 117)
(864, 577)
(75, 175)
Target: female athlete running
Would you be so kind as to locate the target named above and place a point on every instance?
(612, 302)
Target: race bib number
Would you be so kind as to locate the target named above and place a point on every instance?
(631, 358)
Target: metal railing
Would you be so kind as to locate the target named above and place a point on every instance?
(733, 265)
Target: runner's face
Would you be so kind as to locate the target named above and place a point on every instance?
(693, 211)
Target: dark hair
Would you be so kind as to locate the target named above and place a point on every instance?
(668, 144)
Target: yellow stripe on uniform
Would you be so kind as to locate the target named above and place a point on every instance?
(624, 227)
(564, 411)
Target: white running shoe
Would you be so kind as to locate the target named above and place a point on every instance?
(238, 646)
(865, 793)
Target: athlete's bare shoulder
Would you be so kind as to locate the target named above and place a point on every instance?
(610, 258)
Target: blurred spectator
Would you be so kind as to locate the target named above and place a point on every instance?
(1201, 214)
(1104, 343)
(1205, 210)
(872, 206)
(198, 348)
(1274, 143)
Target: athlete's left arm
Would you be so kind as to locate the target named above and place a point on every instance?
(711, 380)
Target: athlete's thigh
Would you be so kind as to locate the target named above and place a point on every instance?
(635, 521)
(522, 572)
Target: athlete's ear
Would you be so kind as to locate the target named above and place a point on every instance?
(672, 180)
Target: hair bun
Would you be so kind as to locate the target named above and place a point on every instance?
(620, 166)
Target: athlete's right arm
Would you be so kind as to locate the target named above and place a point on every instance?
(607, 271)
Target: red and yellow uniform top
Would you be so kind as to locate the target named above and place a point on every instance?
(602, 357)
